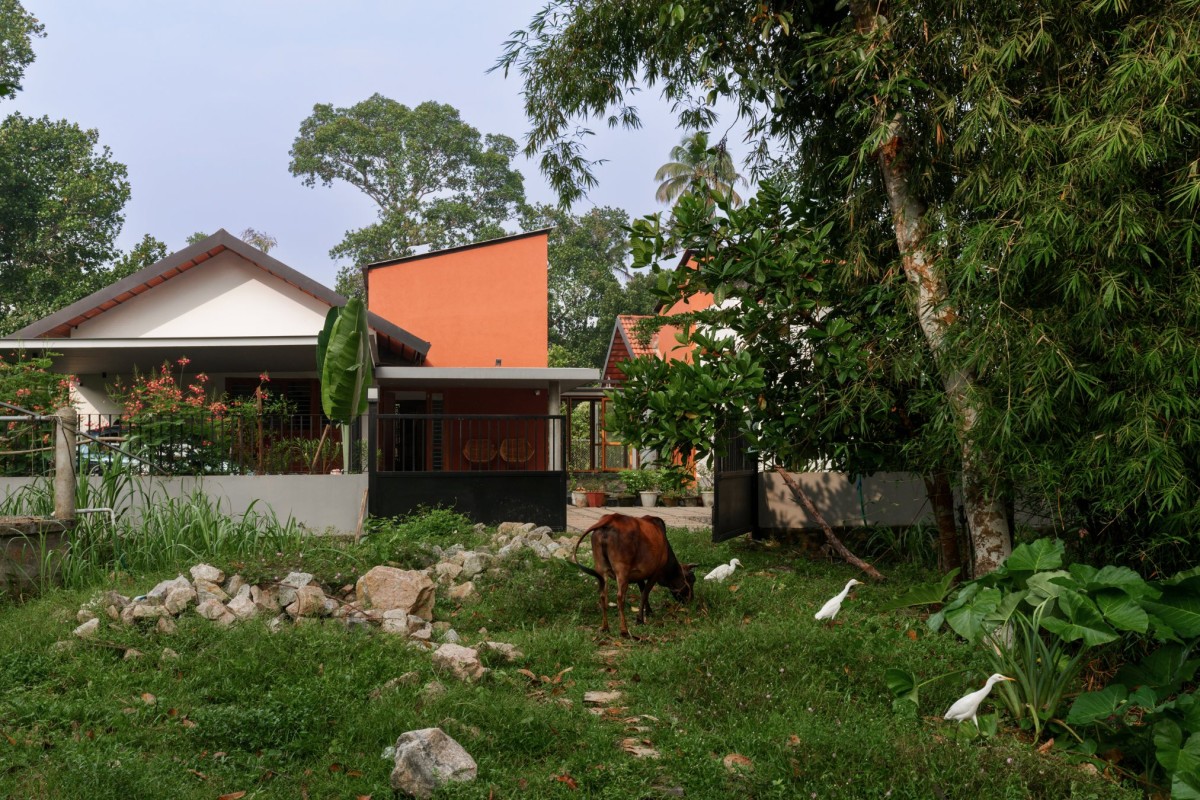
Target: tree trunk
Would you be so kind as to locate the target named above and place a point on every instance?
(985, 512)
(830, 537)
(941, 499)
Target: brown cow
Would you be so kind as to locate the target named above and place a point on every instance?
(634, 550)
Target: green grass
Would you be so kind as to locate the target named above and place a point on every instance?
(289, 715)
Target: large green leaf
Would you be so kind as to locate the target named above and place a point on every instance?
(924, 593)
(1165, 670)
(1167, 738)
(1177, 610)
(1181, 761)
(1051, 583)
(1111, 577)
(903, 685)
(1036, 556)
(1092, 707)
(1083, 621)
(323, 338)
(1122, 611)
(967, 619)
(347, 369)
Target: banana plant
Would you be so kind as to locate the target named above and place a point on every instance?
(345, 367)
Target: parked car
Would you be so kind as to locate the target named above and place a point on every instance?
(100, 448)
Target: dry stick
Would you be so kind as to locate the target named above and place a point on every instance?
(320, 447)
(362, 516)
(830, 537)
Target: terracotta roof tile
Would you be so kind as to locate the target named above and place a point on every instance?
(638, 346)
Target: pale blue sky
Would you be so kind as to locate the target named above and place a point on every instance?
(202, 100)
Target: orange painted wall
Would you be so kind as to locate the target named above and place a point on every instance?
(474, 304)
(668, 345)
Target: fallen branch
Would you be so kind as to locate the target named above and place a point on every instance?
(830, 537)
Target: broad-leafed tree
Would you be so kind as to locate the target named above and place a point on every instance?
(1029, 168)
(434, 178)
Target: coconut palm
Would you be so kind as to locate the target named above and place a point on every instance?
(696, 166)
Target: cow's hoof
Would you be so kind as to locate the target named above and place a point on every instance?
(625, 635)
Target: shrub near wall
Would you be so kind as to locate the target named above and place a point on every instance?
(26, 448)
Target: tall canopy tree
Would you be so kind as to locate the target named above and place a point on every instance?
(1029, 168)
(697, 167)
(435, 179)
(61, 200)
(589, 281)
(18, 29)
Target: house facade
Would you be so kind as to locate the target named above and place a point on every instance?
(458, 340)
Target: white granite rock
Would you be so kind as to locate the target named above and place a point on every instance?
(426, 759)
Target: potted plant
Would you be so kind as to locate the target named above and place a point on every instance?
(643, 482)
(619, 494)
(578, 492)
(673, 482)
(594, 490)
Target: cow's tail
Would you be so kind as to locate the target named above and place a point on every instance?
(575, 552)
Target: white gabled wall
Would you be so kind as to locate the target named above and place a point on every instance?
(225, 296)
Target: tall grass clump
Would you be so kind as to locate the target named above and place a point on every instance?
(167, 532)
(405, 538)
(134, 526)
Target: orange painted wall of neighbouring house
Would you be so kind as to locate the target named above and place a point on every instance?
(668, 345)
(474, 304)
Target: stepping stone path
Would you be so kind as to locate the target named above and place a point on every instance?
(604, 704)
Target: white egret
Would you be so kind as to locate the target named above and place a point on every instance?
(967, 706)
(722, 572)
(830, 609)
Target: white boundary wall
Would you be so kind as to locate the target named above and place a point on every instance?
(319, 502)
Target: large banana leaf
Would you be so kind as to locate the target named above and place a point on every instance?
(344, 356)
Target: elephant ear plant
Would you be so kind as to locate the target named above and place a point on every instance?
(1039, 621)
(345, 368)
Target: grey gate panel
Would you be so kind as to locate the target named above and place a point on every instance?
(735, 490)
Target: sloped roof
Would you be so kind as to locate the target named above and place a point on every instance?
(424, 252)
(627, 324)
(626, 344)
(59, 324)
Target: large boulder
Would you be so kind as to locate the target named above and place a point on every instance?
(425, 759)
(309, 602)
(207, 572)
(462, 662)
(389, 588)
(163, 589)
(143, 609)
(216, 611)
(474, 563)
(178, 600)
(286, 593)
(208, 590)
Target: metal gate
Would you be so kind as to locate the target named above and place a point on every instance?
(491, 468)
(735, 490)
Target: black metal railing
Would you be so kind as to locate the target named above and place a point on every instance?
(209, 444)
(485, 443)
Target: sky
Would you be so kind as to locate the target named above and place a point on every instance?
(202, 101)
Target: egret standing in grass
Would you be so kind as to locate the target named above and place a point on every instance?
(722, 572)
(967, 706)
(830, 609)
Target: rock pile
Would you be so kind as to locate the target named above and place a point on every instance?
(397, 601)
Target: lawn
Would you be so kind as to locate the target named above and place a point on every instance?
(741, 695)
